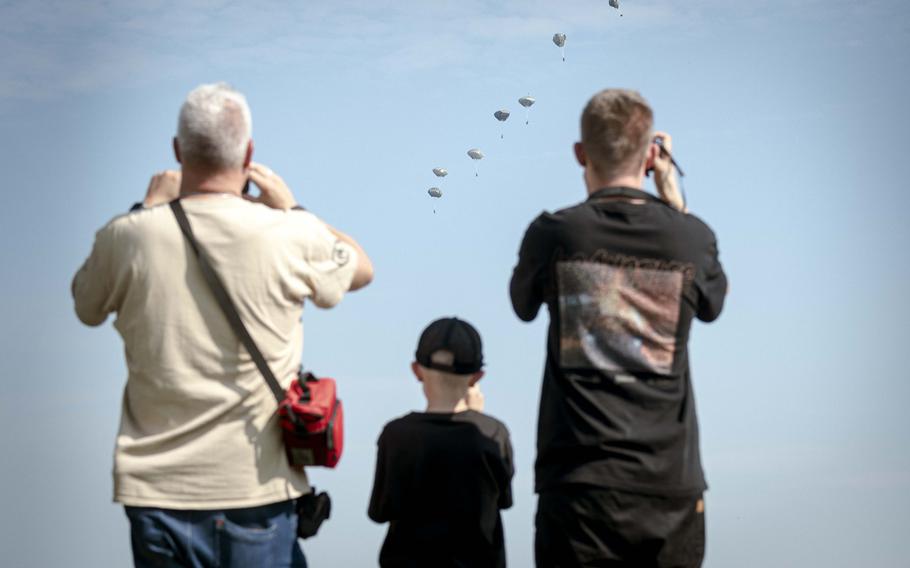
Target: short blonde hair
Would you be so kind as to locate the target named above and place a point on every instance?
(616, 130)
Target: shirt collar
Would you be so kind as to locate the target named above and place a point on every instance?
(628, 192)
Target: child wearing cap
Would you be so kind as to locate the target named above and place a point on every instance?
(443, 475)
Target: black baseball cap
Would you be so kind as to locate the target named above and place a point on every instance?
(455, 336)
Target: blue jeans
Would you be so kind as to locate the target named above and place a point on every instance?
(263, 537)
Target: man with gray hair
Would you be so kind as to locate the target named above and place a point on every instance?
(623, 274)
(199, 463)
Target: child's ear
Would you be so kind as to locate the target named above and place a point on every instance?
(415, 367)
(476, 377)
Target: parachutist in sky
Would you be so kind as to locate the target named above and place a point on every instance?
(436, 193)
(615, 4)
(527, 102)
(501, 116)
(475, 155)
(560, 41)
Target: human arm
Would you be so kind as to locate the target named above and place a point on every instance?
(526, 288)
(710, 281)
(363, 275)
(378, 508)
(505, 491)
(665, 175)
(275, 193)
(474, 398)
(92, 284)
(164, 187)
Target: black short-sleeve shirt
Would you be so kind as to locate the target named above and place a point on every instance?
(440, 482)
(622, 280)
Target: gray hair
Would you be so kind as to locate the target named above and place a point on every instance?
(214, 127)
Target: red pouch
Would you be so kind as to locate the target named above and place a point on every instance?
(312, 422)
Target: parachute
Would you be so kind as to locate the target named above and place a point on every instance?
(560, 41)
(501, 116)
(475, 155)
(527, 102)
(615, 4)
(440, 172)
(435, 193)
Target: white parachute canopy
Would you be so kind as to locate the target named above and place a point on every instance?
(475, 155)
(527, 102)
(560, 41)
(614, 4)
(435, 192)
(440, 172)
(502, 116)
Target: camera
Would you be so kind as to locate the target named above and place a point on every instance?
(312, 509)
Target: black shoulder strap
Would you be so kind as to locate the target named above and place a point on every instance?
(227, 305)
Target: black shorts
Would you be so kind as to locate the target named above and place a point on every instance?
(583, 526)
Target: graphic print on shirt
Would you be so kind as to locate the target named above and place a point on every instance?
(619, 314)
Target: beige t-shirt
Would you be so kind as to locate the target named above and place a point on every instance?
(198, 428)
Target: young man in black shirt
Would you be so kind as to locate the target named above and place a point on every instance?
(443, 475)
(623, 273)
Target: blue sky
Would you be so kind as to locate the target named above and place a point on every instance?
(788, 117)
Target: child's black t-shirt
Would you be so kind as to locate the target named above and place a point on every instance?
(440, 482)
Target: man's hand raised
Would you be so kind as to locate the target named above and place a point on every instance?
(273, 192)
(163, 188)
(664, 176)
